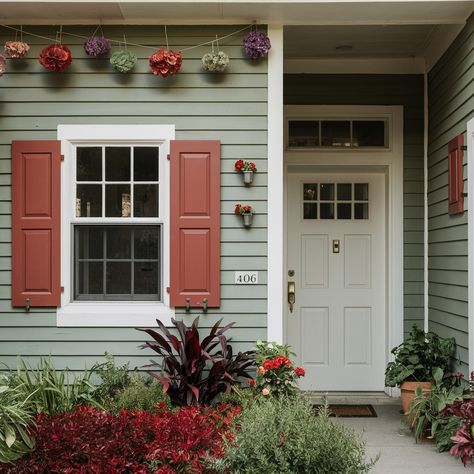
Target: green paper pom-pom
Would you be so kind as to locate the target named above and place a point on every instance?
(123, 60)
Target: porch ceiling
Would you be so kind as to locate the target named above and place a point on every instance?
(329, 12)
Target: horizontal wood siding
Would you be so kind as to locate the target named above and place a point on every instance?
(451, 106)
(230, 107)
(406, 90)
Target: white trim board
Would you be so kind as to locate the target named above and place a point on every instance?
(105, 313)
(470, 238)
(390, 160)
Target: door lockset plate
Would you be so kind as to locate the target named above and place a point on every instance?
(336, 246)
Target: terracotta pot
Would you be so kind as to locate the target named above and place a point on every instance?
(408, 394)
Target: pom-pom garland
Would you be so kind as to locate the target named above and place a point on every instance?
(3, 65)
(165, 62)
(16, 49)
(96, 46)
(215, 62)
(123, 60)
(55, 57)
(256, 45)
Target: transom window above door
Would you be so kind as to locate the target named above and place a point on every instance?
(340, 201)
(337, 133)
(117, 181)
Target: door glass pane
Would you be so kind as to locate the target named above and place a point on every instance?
(119, 278)
(90, 278)
(89, 163)
(327, 210)
(361, 210)
(117, 163)
(117, 200)
(119, 240)
(145, 200)
(344, 191)
(368, 133)
(336, 133)
(303, 133)
(89, 200)
(310, 192)
(310, 210)
(344, 210)
(90, 242)
(327, 192)
(145, 163)
(361, 192)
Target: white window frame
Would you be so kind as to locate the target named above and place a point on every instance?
(111, 313)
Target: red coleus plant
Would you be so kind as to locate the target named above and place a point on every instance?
(88, 440)
(241, 165)
(165, 62)
(243, 209)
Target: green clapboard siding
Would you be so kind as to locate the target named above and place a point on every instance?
(231, 107)
(406, 90)
(451, 106)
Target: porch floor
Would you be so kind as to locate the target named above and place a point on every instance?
(388, 435)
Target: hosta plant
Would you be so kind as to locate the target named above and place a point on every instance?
(16, 415)
(194, 370)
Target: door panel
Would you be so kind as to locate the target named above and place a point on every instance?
(336, 247)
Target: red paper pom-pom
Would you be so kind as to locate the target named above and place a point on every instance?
(55, 57)
(165, 62)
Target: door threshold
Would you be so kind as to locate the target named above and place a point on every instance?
(351, 398)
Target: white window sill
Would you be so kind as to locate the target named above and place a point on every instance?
(114, 314)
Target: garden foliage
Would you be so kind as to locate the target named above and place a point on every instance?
(195, 371)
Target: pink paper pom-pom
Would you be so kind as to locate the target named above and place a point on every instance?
(16, 49)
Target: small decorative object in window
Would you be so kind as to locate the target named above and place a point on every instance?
(96, 46)
(215, 61)
(3, 65)
(16, 49)
(165, 62)
(247, 168)
(55, 57)
(256, 45)
(246, 212)
(123, 60)
(126, 205)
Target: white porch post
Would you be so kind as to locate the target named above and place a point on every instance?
(275, 186)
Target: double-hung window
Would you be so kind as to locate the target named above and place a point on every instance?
(115, 249)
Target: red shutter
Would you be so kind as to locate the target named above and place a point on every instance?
(195, 223)
(36, 223)
(455, 173)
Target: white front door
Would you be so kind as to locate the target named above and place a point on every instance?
(336, 259)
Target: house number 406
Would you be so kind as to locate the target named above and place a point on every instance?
(246, 278)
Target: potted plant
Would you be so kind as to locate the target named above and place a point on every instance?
(247, 168)
(246, 212)
(415, 361)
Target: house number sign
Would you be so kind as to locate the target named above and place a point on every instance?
(246, 278)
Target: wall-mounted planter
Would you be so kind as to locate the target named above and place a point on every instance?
(247, 168)
(247, 220)
(246, 212)
(248, 177)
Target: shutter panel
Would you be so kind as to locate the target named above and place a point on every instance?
(36, 167)
(455, 176)
(195, 223)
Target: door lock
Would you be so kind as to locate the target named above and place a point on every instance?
(336, 246)
(291, 295)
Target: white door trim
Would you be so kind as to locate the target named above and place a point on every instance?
(391, 160)
(470, 237)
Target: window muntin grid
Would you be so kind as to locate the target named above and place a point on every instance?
(335, 201)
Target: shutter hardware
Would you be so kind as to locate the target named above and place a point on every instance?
(27, 304)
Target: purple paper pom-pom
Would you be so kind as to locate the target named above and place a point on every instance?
(256, 44)
(96, 46)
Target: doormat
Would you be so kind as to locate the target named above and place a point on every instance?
(351, 411)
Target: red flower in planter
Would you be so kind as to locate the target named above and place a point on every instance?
(299, 371)
(165, 62)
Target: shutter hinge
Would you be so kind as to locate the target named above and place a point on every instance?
(62, 157)
(464, 147)
(464, 195)
(62, 289)
(168, 157)
(168, 289)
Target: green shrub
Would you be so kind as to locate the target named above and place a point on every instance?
(112, 379)
(53, 391)
(141, 393)
(16, 413)
(286, 436)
